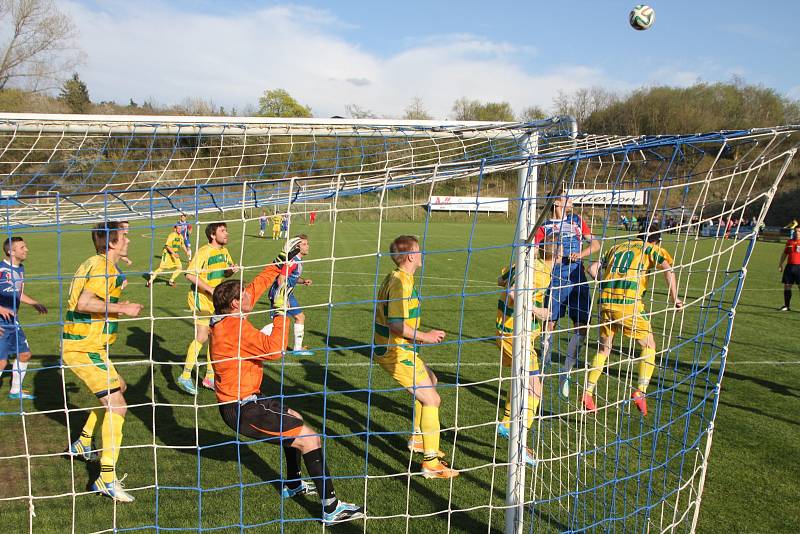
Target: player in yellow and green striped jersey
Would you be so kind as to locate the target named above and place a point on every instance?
(170, 257)
(90, 328)
(624, 270)
(208, 268)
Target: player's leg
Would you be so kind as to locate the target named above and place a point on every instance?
(787, 294)
(640, 330)
(423, 388)
(200, 337)
(579, 303)
(606, 333)
(295, 312)
(271, 419)
(416, 443)
(18, 343)
(161, 266)
(178, 269)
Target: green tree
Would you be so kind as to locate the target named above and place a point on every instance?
(465, 109)
(532, 113)
(279, 103)
(75, 95)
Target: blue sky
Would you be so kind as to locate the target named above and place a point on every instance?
(381, 55)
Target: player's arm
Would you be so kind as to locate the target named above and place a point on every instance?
(672, 284)
(400, 328)
(6, 313)
(784, 255)
(200, 284)
(594, 270)
(594, 246)
(89, 302)
(232, 268)
(25, 299)
(258, 286)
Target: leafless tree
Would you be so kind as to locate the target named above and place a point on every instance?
(416, 110)
(39, 44)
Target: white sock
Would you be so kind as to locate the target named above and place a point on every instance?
(546, 349)
(575, 342)
(17, 375)
(299, 331)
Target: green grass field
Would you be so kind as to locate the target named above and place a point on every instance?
(752, 474)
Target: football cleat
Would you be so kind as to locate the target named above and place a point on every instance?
(344, 512)
(784, 308)
(80, 450)
(208, 383)
(588, 402)
(502, 430)
(438, 469)
(23, 394)
(115, 490)
(530, 457)
(640, 400)
(187, 385)
(415, 445)
(304, 488)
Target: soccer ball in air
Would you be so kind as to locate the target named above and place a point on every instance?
(642, 17)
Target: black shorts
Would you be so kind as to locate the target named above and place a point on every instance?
(791, 274)
(262, 418)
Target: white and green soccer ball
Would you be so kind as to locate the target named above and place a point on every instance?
(642, 17)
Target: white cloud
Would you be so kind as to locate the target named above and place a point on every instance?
(151, 51)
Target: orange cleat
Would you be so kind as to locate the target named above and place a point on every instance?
(641, 400)
(438, 469)
(588, 402)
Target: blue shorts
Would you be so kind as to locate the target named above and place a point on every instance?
(293, 309)
(569, 293)
(12, 341)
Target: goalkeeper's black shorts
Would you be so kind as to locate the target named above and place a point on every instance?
(266, 419)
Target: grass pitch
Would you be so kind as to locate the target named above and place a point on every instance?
(188, 472)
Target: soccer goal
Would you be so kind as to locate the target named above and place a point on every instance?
(603, 240)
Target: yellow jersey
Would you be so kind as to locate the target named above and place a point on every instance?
(397, 301)
(276, 221)
(505, 309)
(84, 332)
(174, 242)
(209, 265)
(624, 271)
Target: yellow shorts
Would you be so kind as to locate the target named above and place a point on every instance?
(202, 306)
(95, 370)
(506, 343)
(169, 264)
(629, 319)
(404, 366)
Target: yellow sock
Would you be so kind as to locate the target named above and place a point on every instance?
(191, 358)
(88, 429)
(507, 410)
(417, 416)
(647, 365)
(429, 424)
(209, 368)
(598, 363)
(112, 438)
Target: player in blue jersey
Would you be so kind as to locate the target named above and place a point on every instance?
(12, 338)
(569, 289)
(185, 230)
(262, 223)
(284, 227)
(291, 276)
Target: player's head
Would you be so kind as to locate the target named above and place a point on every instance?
(15, 247)
(227, 297)
(796, 232)
(562, 204)
(183, 217)
(124, 225)
(297, 245)
(652, 234)
(177, 228)
(405, 251)
(217, 233)
(110, 236)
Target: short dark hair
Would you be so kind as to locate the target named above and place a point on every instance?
(10, 241)
(401, 246)
(211, 229)
(224, 294)
(105, 233)
(652, 234)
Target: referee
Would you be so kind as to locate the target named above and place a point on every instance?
(791, 274)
